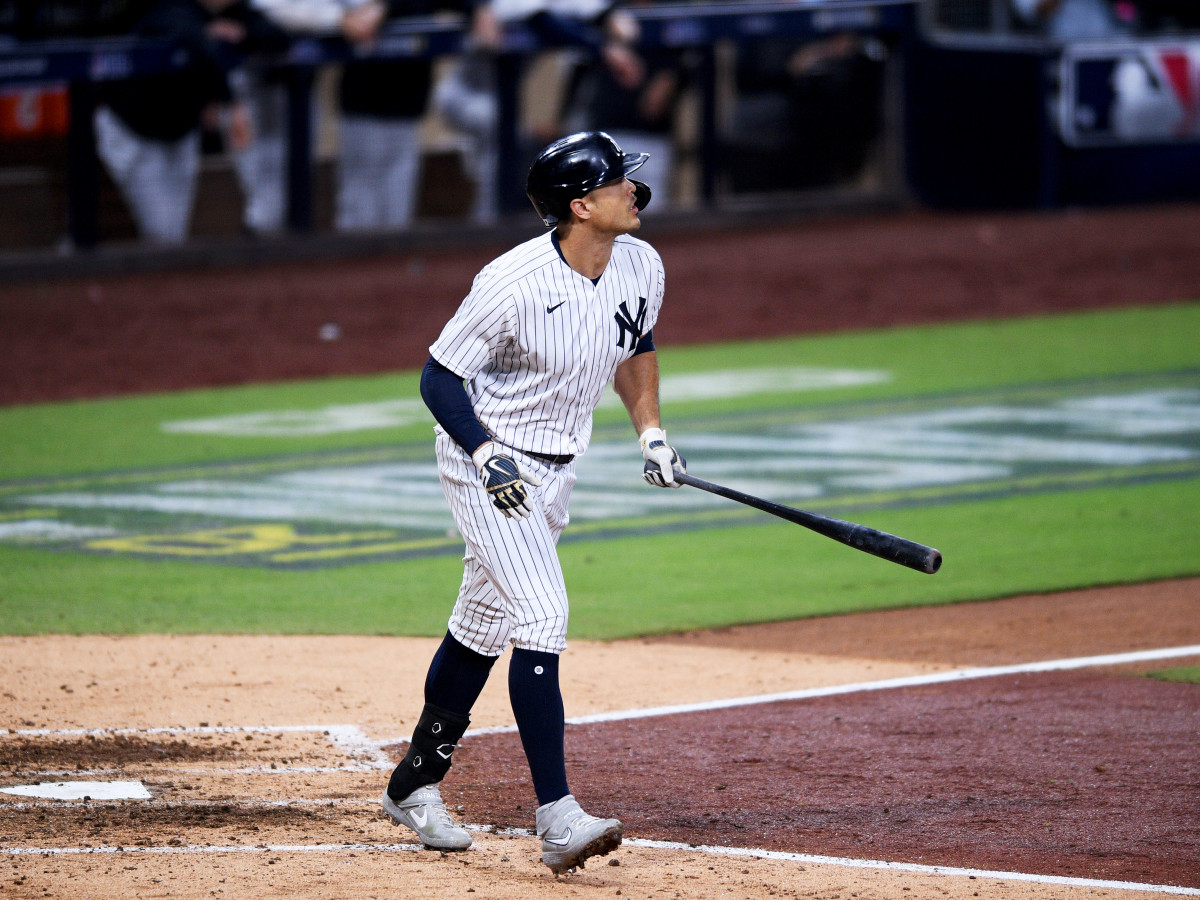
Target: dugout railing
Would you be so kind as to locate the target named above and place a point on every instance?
(977, 110)
(709, 31)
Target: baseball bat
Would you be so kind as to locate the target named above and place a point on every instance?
(860, 537)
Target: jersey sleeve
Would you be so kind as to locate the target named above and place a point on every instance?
(658, 288)
(482, 325)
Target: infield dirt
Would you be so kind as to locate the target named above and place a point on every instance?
(228, 798)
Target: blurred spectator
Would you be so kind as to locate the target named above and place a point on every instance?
(806, 114)
(1078, 20)
(148, 129)
(262, 163)
(466, 97)
(382, 102)
(632, 93)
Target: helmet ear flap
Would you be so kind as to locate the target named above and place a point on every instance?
(641, 194)
(543, 210)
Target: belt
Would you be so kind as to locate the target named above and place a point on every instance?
(560, 460)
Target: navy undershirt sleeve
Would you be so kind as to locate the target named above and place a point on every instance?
(646, 344)
(447, 399)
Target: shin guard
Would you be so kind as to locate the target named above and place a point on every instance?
(429, 755)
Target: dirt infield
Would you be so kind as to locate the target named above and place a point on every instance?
(263, 759)
(264, 755)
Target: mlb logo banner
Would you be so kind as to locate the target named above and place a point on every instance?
(1145, 92)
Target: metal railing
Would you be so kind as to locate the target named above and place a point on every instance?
(702, 27)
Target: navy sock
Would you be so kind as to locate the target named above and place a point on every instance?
(456, 676)
(538, 708)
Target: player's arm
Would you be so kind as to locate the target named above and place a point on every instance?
(446, 397)
(636, 383)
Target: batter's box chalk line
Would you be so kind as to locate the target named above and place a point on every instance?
(946, 677)
(709, 850)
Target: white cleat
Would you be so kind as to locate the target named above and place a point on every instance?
(570, 836)
(424, 812)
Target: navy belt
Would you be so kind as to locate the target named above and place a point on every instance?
(560, 460)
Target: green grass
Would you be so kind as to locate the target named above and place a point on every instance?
(55, 439)
(649, 584)
(1183, 675)
(751, 569)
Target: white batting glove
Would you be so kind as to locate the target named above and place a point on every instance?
(662, 461)
(505, 481)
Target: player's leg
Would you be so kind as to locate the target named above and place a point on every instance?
(477, 635)
(521, 563)
(479, 631)
(359, 201)
(538, 611)
(401, 171)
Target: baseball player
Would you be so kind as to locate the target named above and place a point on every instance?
(512, 381)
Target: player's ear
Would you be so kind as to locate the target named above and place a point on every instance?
(580, 207)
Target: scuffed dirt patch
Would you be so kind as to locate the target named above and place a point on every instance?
(102, 752)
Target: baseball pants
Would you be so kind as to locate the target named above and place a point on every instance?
(512, 589)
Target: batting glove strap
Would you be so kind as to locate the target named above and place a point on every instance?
(504, 481)
(662, 460)
(482, 454)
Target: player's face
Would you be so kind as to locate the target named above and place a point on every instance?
(613, 207)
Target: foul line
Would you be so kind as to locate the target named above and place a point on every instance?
(1053, 665)
(709, 849)
(916, 868)
(369, 754)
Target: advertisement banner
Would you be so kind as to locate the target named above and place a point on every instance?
(1143, 92)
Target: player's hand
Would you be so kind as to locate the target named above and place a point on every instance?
(662, 460)
(505, 481)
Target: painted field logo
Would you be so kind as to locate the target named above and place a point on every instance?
(387, 504)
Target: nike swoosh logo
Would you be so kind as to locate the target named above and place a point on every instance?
(551, 309)
(420, 816)
(557, 843)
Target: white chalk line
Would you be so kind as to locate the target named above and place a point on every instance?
(351, 739)
(707, 849)
(1054, 665)
(153, 803)
(246, 770)
(917, 868)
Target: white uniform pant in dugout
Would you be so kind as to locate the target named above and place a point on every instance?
(512, 589)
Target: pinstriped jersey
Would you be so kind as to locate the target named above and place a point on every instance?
(535, 342)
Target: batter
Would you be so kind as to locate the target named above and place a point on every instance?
(512, 381)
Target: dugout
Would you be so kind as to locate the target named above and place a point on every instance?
(53, 67)
(999, 116)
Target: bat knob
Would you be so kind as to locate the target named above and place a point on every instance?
(933, 561)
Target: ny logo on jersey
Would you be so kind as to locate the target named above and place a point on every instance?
(631, 325)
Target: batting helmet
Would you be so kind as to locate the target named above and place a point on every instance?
(575, 165)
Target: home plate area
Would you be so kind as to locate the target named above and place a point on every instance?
(1079, 781)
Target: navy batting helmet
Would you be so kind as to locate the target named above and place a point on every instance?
(575, 165)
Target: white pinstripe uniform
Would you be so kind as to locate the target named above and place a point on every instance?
(535, 343)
